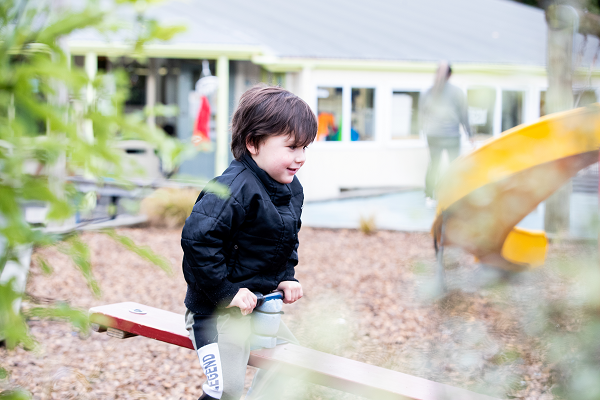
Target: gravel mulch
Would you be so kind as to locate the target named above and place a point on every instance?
(367, 297)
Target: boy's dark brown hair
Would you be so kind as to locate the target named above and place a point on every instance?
(270, 111)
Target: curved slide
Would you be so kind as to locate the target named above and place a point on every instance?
(485, 193)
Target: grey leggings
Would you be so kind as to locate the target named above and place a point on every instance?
(231, 331)
(437, 144)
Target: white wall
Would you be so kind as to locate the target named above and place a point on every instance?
(329, 168)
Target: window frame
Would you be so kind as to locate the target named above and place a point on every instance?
(347, 87)
(526, 97)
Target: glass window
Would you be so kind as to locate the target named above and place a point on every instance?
(481, 103)
(405, 115)
(79, 61)
(542, 103)
(329, 112)
(580, 99)
(137, 73)
(584, 98)
(362, 124)
(512, 109)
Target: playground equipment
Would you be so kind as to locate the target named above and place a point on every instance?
(484, 194)
(125, 320)
(266, 317)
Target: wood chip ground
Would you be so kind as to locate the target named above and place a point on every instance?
(367, 297)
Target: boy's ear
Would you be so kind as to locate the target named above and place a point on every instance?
(251, 148)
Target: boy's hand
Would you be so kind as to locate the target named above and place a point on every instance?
(292, 291)
(245, 300)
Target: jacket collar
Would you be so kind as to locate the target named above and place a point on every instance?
(279, 193)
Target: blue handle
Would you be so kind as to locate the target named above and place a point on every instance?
(261, 298)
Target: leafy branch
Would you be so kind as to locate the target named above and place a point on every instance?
(49, 128)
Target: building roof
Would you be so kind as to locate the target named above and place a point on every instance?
(465, 31)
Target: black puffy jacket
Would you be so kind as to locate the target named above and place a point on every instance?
(248, 240)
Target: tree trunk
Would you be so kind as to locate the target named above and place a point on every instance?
(559, 97)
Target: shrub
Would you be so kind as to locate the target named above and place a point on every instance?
(367, 225)
(169, 207)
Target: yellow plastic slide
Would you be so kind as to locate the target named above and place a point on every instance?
(485, 193)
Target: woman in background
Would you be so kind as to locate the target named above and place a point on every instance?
(442, 109)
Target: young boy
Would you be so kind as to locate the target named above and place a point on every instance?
(247, 242)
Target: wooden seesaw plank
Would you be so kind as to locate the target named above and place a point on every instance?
(303, 363)
(155, 323)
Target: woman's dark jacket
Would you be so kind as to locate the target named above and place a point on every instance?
(248, 240)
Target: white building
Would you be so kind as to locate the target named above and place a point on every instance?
(360, 65)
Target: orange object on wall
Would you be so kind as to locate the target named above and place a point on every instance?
(201, 125)
(326, 125)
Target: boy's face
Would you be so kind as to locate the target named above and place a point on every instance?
(278, 157)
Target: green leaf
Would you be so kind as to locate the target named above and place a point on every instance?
(80, 254)
(3, 373)
(8, 200)
(143, 251)
(13, 328)
(15, 394)
(44, 265)
(167, 32)
(77, 317)
(69, 22)
(220, 190)
(60, 209)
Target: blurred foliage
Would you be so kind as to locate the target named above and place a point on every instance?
(80, 254)
(571, 327)
(16, 394)
(50, 127)
(528, 335)
(143, 251)
(171, 151)
(552, 314)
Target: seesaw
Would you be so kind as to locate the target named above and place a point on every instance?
(129, 319)
(485, 193)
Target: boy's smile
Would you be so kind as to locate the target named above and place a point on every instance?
(279, 157)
